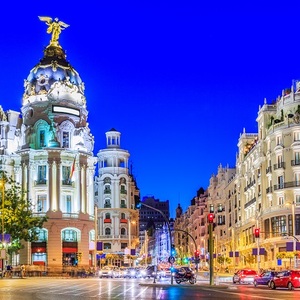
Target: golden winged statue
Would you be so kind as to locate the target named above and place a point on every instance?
(55, 27)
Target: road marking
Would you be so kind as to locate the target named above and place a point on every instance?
(241, 294)
(138, 295)
(130, 288)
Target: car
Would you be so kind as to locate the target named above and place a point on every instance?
(264, 278)
(109, 272)
(244, 276)
(286, 279)
(130, 273)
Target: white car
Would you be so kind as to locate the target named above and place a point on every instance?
(109, 272)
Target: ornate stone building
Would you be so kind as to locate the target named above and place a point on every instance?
(261, 192)
(50, 152)
(116, 188)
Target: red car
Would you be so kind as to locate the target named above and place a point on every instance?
(287, 279)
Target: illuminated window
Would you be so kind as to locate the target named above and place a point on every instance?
(66, 139)
(41, 203)
(69, 235)
(42, 138)
(41, 175)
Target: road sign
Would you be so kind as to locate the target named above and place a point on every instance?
(171, 259)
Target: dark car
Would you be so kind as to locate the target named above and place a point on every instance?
(244, 276)
(264, 278)
(286, 279)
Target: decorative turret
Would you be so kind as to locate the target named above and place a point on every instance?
(54, 106)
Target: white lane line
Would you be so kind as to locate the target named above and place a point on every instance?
(142, 292)
(123, 293)
(109, 290)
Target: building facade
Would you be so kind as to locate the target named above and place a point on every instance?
(260, 194)
(49, 151)
(117, 219)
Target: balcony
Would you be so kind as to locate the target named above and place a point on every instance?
(250, 202)
(124, 221)
(269, 190)
(249, 185)
(70, 215)
(269, 170)
(124, 192)
(123, 205)
(107, 205)
(280, 165)
(40, 182)
(107, 220)
(286, 185)
(295, 162)
(66, 182)
(107, 191)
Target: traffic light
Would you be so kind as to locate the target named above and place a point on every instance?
(173, 250)
(137, 202)
(256, 232)
(210, 218)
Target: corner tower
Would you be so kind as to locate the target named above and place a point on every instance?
(57, 162)
(117, 219)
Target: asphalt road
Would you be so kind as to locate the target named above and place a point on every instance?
(44, 288)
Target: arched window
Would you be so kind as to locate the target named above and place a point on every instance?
(69, 235)
(107, 216)
(107, 203)
(107, 231)
(123, 231)
(123, 216)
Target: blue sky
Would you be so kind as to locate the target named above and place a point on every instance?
(179, 80)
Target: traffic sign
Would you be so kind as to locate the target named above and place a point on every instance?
(171, 259)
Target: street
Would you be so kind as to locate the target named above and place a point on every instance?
(44, 288)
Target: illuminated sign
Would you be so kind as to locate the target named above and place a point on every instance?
(65, 110)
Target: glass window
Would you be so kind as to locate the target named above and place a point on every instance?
(107, 231)
(42, 235)
(297, 136)
(66, 139)
(41, 175)
(107, 246)
(66, 174)
(123, 231)
(69, 235)
(107, 216)
(41, 203)
(42, 138)
(279, 224)
(68, 204)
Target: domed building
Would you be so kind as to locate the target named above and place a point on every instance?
(50, 152)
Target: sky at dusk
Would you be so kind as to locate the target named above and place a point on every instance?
(179, 79)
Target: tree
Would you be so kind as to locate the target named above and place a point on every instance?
(17, 215)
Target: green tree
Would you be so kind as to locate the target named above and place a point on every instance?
(18, 219)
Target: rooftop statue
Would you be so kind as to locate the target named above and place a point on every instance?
(55, 27)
